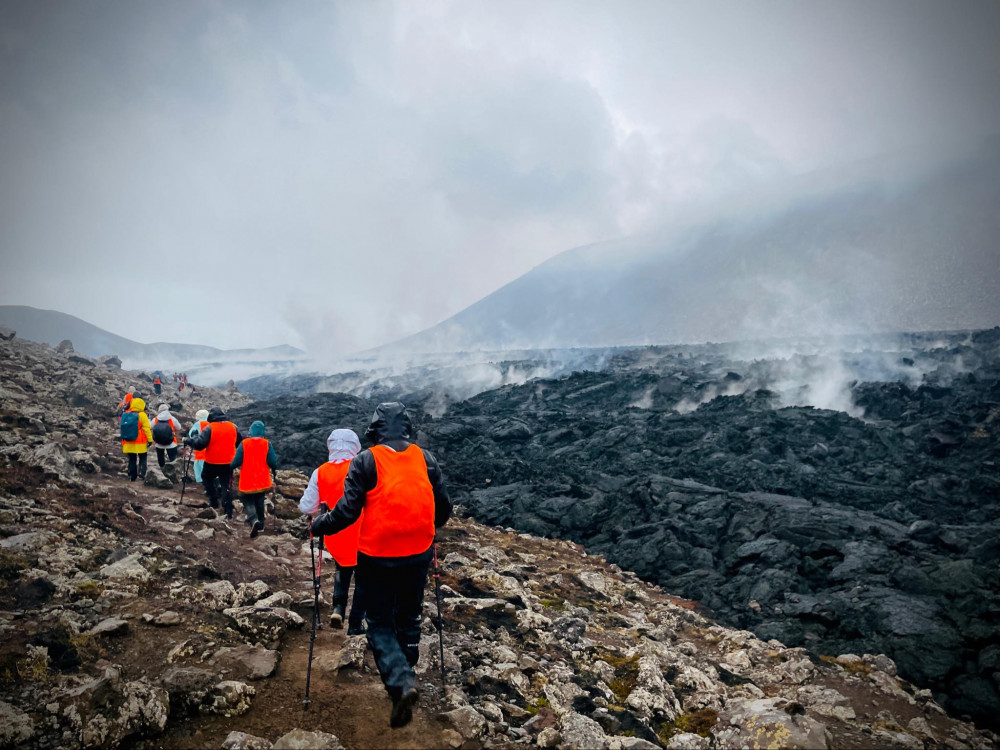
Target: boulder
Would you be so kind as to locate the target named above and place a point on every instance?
(53, 459)
(765, 722)
(128, 569)
(219, 595)
(111, 360)
(228, 698)
(65, 347)
(7, 334)
(107, 710)
(300, 739)
(255, 662)
(156, 478)
(581, 731)
(465, 720)
(263, 624)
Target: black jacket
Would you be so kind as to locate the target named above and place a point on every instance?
(200, 442)
(393, 431)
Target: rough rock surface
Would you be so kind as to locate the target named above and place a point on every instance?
(544, 643)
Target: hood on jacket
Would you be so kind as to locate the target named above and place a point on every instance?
(164, 415)
(131, 390)
(389, 422)
(257, 429)
(163, 407)
(215, 414)
(201, 414)
(343, 445)
(137, 405)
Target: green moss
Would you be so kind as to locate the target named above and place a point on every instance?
(626, 674)
(698, 722)
(538, 705)
(559, 604)
(11, 564)
(89, 589)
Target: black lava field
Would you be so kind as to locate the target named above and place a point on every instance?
(874, 528)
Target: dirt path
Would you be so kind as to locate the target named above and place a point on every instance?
(351, 704)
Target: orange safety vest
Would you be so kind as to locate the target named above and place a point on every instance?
(255, 475)
(157, 381)
(399, 511)
(222, 443)
(200, 455)
(127, 401)
(343, 545)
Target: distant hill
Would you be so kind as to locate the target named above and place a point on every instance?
(888, 245)
(51, 327)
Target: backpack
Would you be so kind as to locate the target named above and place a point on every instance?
(129, 428)
(163, 433)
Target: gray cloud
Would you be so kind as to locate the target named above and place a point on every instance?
(340, 175)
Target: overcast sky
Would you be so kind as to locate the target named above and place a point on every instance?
(338, 175)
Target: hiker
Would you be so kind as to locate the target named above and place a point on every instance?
(157, 383)
(257, 462)
(135, 433)
(165, 429)
(200, 422)
(326, 486)
(399, 487)
(125, 403)
(218, 439)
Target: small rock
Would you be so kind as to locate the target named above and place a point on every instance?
(244, 741)
(300, 739)
(110, 626)
(688, 741)
(166, 619)
(228, 698)
(548, 737)
(452, 738)
(16, 726)
(466, 720)
(205, 534)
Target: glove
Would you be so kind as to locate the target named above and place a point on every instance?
(187, 442)
(320, 524)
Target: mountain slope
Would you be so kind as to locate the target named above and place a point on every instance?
(855, 254)
(51, 327)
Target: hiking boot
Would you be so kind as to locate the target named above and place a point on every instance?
(255, 529)
(402, 709)
(355, 628)
(337, 616)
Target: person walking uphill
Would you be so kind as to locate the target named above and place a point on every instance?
(135, 434)
(399, 487)
(219, 440)
(257, 461)
(157, 383)
(200, 423)
(325, 488)
(165, 429)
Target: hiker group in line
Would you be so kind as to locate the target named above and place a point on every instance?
(218, 447)
(375, 511)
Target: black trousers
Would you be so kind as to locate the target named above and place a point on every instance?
(217, 479)
(157, 388)
(394, 599)
(136, 465)
(341, 589)
(171, 454)
(253, 506)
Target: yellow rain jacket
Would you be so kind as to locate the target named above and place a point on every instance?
(145, 430)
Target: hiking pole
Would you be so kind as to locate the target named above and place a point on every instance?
(317, 569)
(440, 622)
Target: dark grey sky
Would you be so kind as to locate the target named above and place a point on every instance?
(338, 175)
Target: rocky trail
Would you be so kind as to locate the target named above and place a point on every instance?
(131, 619)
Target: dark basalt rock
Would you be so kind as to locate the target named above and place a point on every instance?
(808, 525)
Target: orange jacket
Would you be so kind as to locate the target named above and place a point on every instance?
(222, 445)
(200, 455)
(399, 512)
(343, 545)
(255, 474)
